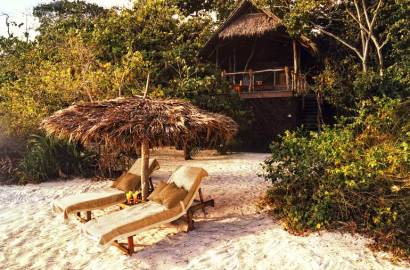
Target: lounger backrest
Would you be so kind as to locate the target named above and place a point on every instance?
(153, 165)
(190, 179)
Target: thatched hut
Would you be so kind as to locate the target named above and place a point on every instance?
(251, 24)
(257, 54)
(133, 123)
(266, 67)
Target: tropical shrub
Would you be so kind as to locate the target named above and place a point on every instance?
(8, 167)
(48, 158)
(356, 173)
(371, 84)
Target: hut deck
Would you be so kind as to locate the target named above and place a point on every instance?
(266, 94)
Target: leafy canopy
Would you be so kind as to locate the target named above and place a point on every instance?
(87, 53)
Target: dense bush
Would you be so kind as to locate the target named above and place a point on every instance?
(355, 173)
(8, 166)
(48, 158)
(371, 84)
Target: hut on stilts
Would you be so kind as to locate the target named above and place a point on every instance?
(266, 67)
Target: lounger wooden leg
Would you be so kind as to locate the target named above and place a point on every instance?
(201, 198)
(88, 215)
(151, 185)
(126, 249)
(189, 215)
(121, 247)
(130, 245)
(84, 220)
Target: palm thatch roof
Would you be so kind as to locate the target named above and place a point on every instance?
(125, 123)
(249, 20)
(251, 24)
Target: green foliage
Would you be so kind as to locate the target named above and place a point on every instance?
(13, 53)
(341, 78)
(87, 53)
(356, 172)
(345, 87)
(64, 15)
(46, 85)
(193, 6)
(49, 158)
(371, 84)
(222, 8)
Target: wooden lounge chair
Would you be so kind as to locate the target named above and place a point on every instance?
(128, 222)
(86, 202)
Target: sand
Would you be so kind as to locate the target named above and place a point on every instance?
(234, 235)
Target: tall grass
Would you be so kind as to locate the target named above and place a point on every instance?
(48, 158)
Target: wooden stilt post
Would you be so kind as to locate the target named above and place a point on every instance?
(251, 80)
(217, 56)
(144, 169)
(296, 65)
(295, 58)
(274, 80)
(234, 65)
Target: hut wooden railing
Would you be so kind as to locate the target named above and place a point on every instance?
(299, 85)
(283, 79)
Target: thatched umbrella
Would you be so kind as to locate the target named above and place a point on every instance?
(130, 123)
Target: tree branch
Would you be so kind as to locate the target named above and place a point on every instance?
(366, 15)
(361, 26)
(318, 28)
(359, 20)
(376, 12)
(384, 42)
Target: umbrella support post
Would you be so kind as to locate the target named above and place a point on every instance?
(144, 169)
(187, 152)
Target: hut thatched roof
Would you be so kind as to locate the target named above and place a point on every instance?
(124, 123)
(252, 24)
(249, 20)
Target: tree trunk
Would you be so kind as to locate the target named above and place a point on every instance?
(144, 169)
(364, 66)
(381, 62)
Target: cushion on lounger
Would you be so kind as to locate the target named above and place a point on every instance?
(136, 167)
(155, 195)
(128, 182)
(195, 174)
(185, 177)
(170, 195)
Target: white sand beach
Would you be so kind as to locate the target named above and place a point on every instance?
(233, 235)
